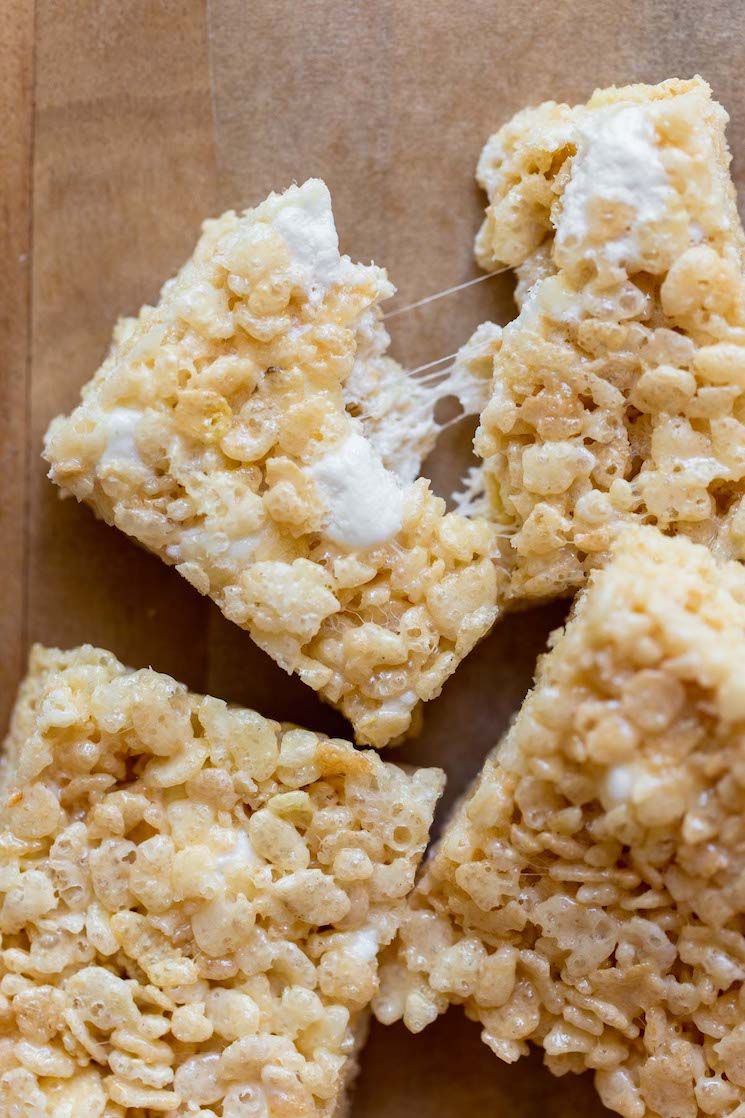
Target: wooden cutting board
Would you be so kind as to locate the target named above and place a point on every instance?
(123, 126)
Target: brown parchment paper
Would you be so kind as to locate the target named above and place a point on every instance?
(123, 125)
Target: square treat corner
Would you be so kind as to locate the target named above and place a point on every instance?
(251, 432)
(587, 895)
(194, 898)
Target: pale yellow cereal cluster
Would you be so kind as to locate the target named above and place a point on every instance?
(589, 893)
(618, 392)
(216, 434)
(192, 899)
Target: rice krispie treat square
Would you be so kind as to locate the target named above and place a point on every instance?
(588, 895)
(218, 434)
(193, 899)
(617, 394)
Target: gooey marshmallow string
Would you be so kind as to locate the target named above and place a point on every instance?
(441, 294)
(434, 377)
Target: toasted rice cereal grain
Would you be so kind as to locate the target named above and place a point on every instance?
(217, 433)
(617, 395)
(588, 893)
(174, 936)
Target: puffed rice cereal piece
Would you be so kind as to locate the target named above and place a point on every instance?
(587, 895)
(218, 435)
(192, 899)
(617, 395)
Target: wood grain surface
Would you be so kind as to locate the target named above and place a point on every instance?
(16, 158)
(123, 126)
